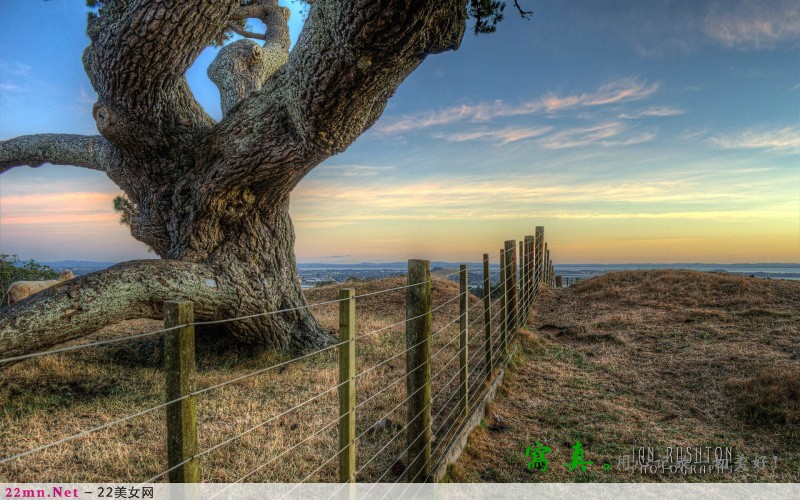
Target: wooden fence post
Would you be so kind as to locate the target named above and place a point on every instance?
(179, 365)
(463, 342)
(546, 265)
(528, 275)
(539, 277)
(487, 313)
(511, 289)
(503, 301)
(521, 280)
(347, 385)
(559, 281)
(549, 275)
(418, 368)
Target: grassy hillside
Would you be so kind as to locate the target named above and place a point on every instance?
(649, 359)
(49, 398)
(632, 358)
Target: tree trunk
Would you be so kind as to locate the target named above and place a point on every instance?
(212, 199)
(251, 271)
(255, 257)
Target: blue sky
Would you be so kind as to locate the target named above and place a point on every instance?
(633, 131)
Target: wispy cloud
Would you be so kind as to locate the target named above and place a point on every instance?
(10, 87)
(632, 140)
(693, 133)
(12, 77)
(626, 89)
(715, 215)
(783, 139)
(517, 198)
(354, 170)
(653, 111)
(752, 24)
(583, 136)
(14, 68)
(312, 223)
(501, 136)
(604, 134)
(666, 28)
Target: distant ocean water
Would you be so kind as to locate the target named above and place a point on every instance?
(315, 272)
(772, 271)
(368, 270)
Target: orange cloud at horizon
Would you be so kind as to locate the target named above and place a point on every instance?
(572, 241)
(58, 208)
(66, 225)
(456, 223)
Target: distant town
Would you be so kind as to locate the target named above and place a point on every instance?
(315, 274)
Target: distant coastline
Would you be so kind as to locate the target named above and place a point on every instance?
(315, 272)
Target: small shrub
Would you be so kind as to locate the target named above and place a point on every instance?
(12, 269)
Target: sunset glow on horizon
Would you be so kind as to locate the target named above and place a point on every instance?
(630, 142)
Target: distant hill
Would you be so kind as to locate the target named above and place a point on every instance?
(759, 270)
(79, 267)
(646, 360)
(384, 265)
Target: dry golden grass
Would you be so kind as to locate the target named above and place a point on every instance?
(649, 358)
(48, 398)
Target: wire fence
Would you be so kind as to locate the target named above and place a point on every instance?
(458, 376)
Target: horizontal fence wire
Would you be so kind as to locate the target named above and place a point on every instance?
(336, 387)
(474, 355)
(415, 458)
(208, 322)
(362, 373)
(400, 454)
(201, 391)
(215, 322)
(532, 296)
(249, 430)
(385, 416)
(241, 434)
(440, 443)
(89, 344)
(414, 441)
(441, 456)
(432, 397)
(382, 329)
(396, 434)
(453, 394)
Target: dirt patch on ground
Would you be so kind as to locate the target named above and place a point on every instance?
(651, 359)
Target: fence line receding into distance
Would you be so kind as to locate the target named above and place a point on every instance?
(524, 269)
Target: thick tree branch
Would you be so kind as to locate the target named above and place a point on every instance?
(92, 152)
(242, 67)
(350, 58)
(80, 306)
(158, 38)
(137, 62)
(245, 33)
(250, 12)
(352, 55)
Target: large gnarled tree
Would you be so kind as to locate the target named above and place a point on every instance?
(211, 199)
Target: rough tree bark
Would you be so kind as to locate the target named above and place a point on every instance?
(211, 199)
